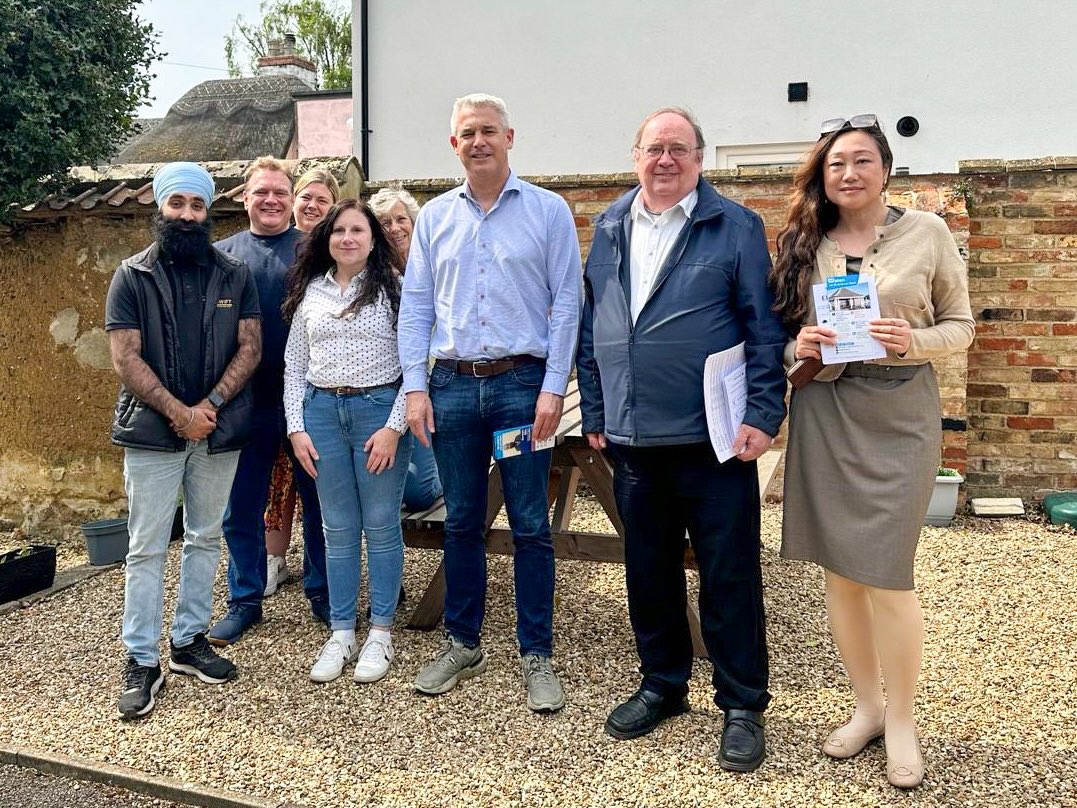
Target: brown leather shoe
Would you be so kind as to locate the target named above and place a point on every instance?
(841, 745)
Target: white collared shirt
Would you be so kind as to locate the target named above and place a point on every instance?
(653, 235)
(359, 350)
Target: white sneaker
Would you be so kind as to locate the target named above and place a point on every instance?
(374, 659)
(276, 573)
(332, 659)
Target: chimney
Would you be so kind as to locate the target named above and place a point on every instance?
(282, 60)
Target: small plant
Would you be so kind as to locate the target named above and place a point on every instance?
(945, 472)
(962, 189)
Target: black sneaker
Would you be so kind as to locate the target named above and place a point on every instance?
(199, 659)
(140, 685)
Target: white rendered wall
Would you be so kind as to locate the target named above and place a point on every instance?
(985, 78)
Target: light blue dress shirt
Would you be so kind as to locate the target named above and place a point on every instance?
(486, 285)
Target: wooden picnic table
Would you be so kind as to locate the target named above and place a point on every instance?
(573, 460)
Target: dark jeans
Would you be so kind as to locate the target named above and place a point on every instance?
(244, 519)
(467, 411)
(662, 491)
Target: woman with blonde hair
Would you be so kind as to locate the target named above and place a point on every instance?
(865, 437)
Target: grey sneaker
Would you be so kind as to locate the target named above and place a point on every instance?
(544, 692)
(454, 661)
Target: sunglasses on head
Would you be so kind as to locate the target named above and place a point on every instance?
(866, 121)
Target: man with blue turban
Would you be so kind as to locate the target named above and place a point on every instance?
(185, 336)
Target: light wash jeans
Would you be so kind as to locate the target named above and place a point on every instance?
(355, 502)
(152, 480)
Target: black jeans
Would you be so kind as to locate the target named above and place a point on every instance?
(662, 491)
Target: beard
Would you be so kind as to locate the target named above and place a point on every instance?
(180, 241)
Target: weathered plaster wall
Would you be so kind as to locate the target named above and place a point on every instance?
(57, 388)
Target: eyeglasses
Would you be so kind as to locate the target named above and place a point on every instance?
(866, 121)
(678, 151)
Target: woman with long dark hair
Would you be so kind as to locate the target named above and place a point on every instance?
(345, 417)
(865, 437)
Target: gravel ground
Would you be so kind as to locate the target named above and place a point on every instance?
(998, 707)
(26, 788)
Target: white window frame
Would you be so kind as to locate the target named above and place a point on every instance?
(761, 154)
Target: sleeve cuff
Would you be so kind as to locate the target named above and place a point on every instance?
(556, 383)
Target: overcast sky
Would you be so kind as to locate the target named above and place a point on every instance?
(192, 33)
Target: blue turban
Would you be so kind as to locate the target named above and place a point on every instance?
(182, 178)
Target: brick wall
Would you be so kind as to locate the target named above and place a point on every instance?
(1022, 400)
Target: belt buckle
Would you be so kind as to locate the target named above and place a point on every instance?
(476, 366)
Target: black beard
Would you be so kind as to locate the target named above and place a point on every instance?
(180, 241)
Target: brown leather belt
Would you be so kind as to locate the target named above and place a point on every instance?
(359, 391)
(866, 371)
(484, 368)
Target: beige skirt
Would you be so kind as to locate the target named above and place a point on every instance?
(859, 470)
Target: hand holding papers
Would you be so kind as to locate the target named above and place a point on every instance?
(725, 398)
(848, 303)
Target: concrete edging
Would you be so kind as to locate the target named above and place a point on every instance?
(159, 787)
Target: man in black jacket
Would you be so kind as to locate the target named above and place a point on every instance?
(185, 336)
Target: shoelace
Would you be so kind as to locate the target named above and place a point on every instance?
(341, 651)
(134, 677)
(374, 651)
(446, 654)
(537, 668)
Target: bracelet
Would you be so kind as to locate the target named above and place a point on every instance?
(184, 429)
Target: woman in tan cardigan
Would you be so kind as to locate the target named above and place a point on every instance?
(865, 437)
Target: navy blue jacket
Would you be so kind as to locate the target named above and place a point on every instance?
(642, 384)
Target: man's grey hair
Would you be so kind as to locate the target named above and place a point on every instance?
(478, 100)
(383, 201)
(684, 112)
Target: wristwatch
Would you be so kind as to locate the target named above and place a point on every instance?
(216, 399)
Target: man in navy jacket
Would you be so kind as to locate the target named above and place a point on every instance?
(677, 272)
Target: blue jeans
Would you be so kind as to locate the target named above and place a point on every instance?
(423, 484)
(244, 521)
(152, 481)
(355, 501)
(467, 411)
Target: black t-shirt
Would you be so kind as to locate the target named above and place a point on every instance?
(189, 304)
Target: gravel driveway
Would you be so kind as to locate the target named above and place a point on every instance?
(998, 706)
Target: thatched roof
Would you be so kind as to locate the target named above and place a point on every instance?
(222, 119)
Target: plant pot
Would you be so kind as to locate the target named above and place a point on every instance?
(23, 573)
(106, 541)
(943, 505)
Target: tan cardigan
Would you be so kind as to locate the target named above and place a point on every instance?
(920, 277)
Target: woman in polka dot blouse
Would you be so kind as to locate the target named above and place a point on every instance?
(345, 416)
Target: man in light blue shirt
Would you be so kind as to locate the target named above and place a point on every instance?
(492, 291)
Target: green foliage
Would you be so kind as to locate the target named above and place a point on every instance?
(72, 76)
(323, 32)
(945, 472)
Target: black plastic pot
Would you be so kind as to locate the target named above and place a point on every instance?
(23, 574)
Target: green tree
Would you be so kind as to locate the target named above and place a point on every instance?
(72, 76)
(323, 32)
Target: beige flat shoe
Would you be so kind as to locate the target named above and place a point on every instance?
(906, 776)
(843, 746)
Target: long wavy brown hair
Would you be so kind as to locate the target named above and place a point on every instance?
(383, 267)
(811, 215)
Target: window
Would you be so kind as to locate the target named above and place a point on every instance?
(771, 155)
